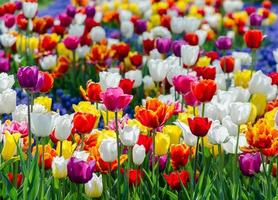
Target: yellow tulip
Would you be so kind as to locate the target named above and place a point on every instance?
(155, 20)
(68, 148)
(62, 50)
(242, 78)
(260, 101)
(253, 114)
(111, 115)
(45, 101)
(270, 117)
(203, 61)
(133, 7)
(241, 16)
(9, 148)
(174, 132)
(104, 134)
(162, 144)
(134, 122)
(181, 5)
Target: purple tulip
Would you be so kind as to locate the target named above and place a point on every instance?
(224, 43)
(80, 171)
(162, 161)
(250, 163)
(71, 42)
(140, 26)
(9, 20)
(2, 54)
(28, 77)
(39, 84)
(163, 45)
(18, 5)
(71, 10)
(176, 47)
(256, 19)
(4, 65)
(90, 11)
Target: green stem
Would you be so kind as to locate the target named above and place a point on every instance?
(195, 162)
(29, 128)
(268, 186)
(61, 148)
(118, 150)
(43, 171)
(253, 54)
(153, 164)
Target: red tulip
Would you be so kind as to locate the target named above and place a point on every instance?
(58, 29)
(179, 155)
(136, 60)
(84, 122)
(204, 90)
(134, 176)
(253, 38)
(274, 78)
(213, 55)
(121, 50)
(227, 64)
(267, 4)
(92, 92)
(18, 178)
(174, 179)
(209, 72)
(148, 45)
(48, 43)
(21, 21)
(146, 141)
(126, 85)
(191, 38)
(199, 126)
(48, 81)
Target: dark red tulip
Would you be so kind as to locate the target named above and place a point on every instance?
(199, 126)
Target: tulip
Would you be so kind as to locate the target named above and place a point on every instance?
(129, 135)
(134, 176)
(48, 62)
(10, 145)
(174, 132)
(28, 77)
(187, 137)
(135, 75)
(7, 101)
(84, 122)
(6, 81)
(9, 20)
(76, 30)
(224, 43)
(231, 146)
(67, 148)
(227, 64)
(158, 69)
(189, 54)
(59, 167)
(179, 155)
(256, 19)
(82, 51)
(92, 92)
(175, 179)
(70, 10)
(190, 99)
(126, 85)
(176, 47)
(253, 39)
(183, 83)
(191, 38)
(202, 36)
(65, 20)
(42, 124)
(163, 45)
(71, 42)
(191, 24)
(250, 163)
(199, 126)
(97, 34)
(127, 29)
(48, 82)
(204, 90)
(63, 127)
(140, 26)
(80, 171)
(218, 134)
(90, 11)
(162, 144)
(114, 99)
(18, 179)
(146, 141)
(109, 80)
(79, 18)
(30, 9)
(240, 112)
(177, 25)
(4, 65)
(94, 187)
(138, 154)
(108, 150)
(7, 40)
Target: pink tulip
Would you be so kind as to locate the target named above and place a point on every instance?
(183, 83)
(114, 99)
(16, 127)
(71, 42)
(190, 99)
(9, 20)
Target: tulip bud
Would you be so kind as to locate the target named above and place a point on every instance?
(30, 9)
(42, 124)
(129, 135)
(240, 112)
(94, 187)
(63, 126)
(108, 150)
(138, 154)
(59, 167)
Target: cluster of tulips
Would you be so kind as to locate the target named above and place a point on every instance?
(169, 110)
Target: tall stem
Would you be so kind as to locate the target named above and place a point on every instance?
(29, 128)
(153, 163)
(268, 186)
(253, 54)
(61, 148)
(195, 162)
(43, 171)
(118, 150)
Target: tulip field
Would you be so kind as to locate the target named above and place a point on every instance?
(138, 99)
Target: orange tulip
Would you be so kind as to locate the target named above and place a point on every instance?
(154, 114)
(179, 155)
(49, 154)
(92, 92)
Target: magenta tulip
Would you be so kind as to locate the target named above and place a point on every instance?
(182, 83)
(4, 65)
(9, 20)
(250, 163)
(71, 42)
(163, 45)
(224, 43)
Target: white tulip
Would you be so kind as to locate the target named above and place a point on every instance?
(6, 81)
(231, 6)
(98, 16)
(245, 58)
(94, 187)
(79, 18)
(38, 108)
(242, 95)
(214, 20)
(7, 40)
(7, 101)
(158, 69)
(48, 62)
(188, 137)
(218, 134)
(20, 113)
(189, 54)
(202, 36)
(240, 112)
(108, 80)
(82, 51)
(63, 126)
(177, 25)
(127, 29)
(42, 124)
(59, 167)
(97, 34)
(161, 32)
(148, 82)
(230, 146)
(135, 75)
(29, 9)
(81, 155)
(108, 150)
(230, 125)
(138, 154)
(191, 24)
(129, 135)
(76, 29)
(154, 54)
(124, 15)
(220, 81)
